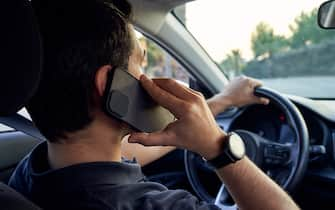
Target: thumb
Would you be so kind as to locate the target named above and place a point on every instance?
(149, 139)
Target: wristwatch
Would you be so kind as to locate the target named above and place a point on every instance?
(233, 150)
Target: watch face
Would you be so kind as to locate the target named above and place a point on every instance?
(236, 146)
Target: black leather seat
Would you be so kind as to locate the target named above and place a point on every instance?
(11, 200)
(20, 55)
(20, 68)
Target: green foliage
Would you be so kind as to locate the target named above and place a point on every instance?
(264, 42)
(315, 60)
(305, 30)
(154, 53)
(234, 63)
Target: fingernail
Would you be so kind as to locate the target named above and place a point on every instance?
(131, 139)
(134, 137)
(144, 77)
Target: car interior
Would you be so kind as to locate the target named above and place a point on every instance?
(292, 139)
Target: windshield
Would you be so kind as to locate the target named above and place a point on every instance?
(278, 42)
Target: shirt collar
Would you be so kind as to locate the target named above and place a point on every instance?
(114, 173)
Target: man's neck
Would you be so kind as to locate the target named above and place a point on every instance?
(97, 143)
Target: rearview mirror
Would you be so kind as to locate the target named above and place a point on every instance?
(326, 15)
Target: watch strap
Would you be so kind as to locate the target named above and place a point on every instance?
(226, 157)
(220, 161)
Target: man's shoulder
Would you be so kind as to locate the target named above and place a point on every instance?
(20, 179)
(149, 196)
(176, 199)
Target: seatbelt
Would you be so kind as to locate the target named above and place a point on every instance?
(22, 124)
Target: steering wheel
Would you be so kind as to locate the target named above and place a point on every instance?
(285, 162)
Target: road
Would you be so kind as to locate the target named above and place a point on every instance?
(313, 87)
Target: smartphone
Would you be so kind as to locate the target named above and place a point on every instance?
(126, 100)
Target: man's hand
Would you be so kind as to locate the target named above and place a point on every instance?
(195, 128)
(239, 92)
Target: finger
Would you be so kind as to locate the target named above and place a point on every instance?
(256, 83)
(264, 101)
(162, 97)
(175, 88)
(150, 139)
(261, 100)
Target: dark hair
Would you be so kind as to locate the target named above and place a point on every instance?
(79, 36)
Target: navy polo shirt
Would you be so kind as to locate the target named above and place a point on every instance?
(98, 185)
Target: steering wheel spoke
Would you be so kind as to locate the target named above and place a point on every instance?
(276, 154)
(224, 199)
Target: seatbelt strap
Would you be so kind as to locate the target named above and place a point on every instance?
(22, 124)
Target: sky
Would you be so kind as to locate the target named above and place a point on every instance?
(223, 25)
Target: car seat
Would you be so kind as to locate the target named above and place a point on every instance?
(20, 68)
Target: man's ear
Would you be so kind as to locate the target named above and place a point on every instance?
(101, 79)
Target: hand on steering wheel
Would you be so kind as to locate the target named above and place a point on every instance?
(285, 163)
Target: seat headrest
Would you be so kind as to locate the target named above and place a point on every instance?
(20, 55)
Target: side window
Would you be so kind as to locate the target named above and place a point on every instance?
(4, 128)
(159, 63)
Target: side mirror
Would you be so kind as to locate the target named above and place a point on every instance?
(326, 15)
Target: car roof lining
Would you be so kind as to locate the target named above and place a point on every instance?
(150, 15)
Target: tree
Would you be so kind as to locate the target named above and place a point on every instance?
(234, 63)
(264, 42)
(154, 53)
(305, 30)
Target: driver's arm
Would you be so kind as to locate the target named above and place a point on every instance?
(239, 92)
(248, 185)
(252, 189)
(143, 155)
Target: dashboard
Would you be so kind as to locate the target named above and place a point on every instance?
(271, 123)
(266, 121)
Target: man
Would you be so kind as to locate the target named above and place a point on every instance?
(80, 166)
